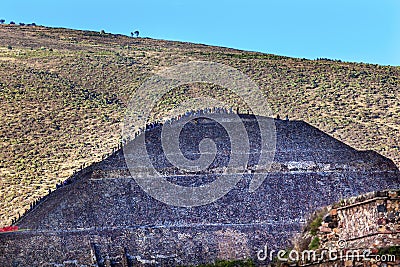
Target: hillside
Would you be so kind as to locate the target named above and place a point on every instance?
(63, 94)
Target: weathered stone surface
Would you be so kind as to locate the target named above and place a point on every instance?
(368, 222)
(102, 217)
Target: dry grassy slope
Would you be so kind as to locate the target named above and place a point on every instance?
(63, 94)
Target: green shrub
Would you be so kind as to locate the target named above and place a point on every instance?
(393, 250)
(314, 243)
(315, 224)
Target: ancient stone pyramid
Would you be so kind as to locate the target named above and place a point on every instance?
(102, 217)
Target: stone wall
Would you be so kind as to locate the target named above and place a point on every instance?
(368, 224)
(366, 221)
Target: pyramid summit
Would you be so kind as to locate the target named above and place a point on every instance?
(101, 216)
